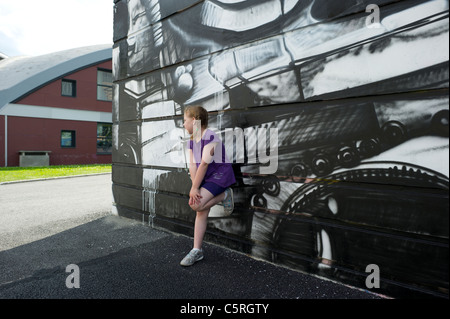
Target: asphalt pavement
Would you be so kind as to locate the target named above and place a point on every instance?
(59, 240)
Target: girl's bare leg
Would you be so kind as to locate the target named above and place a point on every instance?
(201, 219)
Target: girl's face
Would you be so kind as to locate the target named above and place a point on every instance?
(188, 123)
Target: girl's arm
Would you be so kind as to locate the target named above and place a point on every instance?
(192, 165)
(207, 156)
(193, 173)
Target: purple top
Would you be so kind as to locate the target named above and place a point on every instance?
(219, 170)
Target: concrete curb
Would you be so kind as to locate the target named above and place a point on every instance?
(52, 178)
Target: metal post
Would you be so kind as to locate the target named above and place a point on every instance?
(6, 140)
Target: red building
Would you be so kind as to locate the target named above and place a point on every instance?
(58, 104)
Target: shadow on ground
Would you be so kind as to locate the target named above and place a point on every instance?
(121, 258)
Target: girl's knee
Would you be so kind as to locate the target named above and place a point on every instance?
(197, 207)
(202, 213)
(194, 207)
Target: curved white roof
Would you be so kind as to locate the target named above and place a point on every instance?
(20, 75)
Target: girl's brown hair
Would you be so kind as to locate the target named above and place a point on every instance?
(198, 113)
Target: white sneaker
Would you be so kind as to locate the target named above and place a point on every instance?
(228, 202)
(192, 257)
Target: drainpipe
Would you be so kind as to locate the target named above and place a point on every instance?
(6, 140)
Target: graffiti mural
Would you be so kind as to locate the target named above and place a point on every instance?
(336, 117)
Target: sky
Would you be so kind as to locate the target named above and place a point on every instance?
(37, 27)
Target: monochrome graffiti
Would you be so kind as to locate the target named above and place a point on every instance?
(357, 94)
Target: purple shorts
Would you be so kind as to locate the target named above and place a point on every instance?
(213, 188)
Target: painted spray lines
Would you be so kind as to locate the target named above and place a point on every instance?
(256, 138)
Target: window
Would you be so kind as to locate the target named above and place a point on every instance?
(69, 88)
(104, 85)
(67, 138)
(104, 138)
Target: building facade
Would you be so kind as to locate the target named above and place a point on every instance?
(57, 104)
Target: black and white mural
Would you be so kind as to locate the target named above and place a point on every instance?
(335, 115)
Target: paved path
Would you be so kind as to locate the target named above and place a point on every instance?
(35, 209)
(46, 226)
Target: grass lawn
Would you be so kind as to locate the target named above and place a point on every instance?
(9, 174)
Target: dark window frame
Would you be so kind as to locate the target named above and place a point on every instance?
(102, 85)
(73, 139)
(104, 140)
(74, 87)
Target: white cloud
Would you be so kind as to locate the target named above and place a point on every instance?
(30, 27)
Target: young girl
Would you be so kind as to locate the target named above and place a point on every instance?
(211, 176)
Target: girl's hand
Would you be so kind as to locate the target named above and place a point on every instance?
(194, 196)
